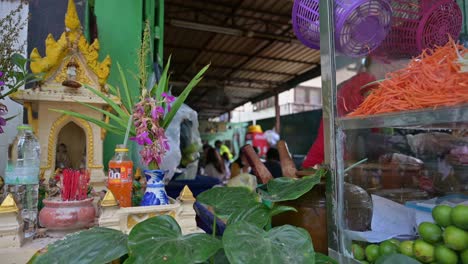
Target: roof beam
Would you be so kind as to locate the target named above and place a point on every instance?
(228, 68)
(238, 54)
(228, 31)
(227, 85)
(310, 74)
(278, 19)
(213, 6)
(262, 48)
(208, 41)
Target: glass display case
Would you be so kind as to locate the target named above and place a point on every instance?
(395, 93)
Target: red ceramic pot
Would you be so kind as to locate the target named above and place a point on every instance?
(67, 215)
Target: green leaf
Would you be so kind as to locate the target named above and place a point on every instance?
(160, 87)
(258, 215)
(19, 60)
(181, 98)
(108, 127)
(324, 259)
(220, 257)
(113, 90)
(159, 240)
(122, 122)
(227, 200)
(11, 117)
(128, 103)
(396, 258)
(247, 244)
(285, 189)
(109, 101)
(278, 209)
(96, 245)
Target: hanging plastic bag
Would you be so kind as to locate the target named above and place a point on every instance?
(185, 142)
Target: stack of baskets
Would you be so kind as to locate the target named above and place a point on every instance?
(360, 25)
(420, 24)
(393, 28)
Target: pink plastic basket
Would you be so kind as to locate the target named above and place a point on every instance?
(360, 25)
(421, 24)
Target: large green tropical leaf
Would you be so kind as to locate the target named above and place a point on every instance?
(181, 98)
(227, 200)
(97, 245)
(396, 258)
(285, 189)
(102, 124)
(245, 243)
(159, 240)
(278, 209)
(258, 215)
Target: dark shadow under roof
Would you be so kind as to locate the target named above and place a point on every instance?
(251, 47)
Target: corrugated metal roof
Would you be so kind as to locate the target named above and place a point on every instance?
(250, 44)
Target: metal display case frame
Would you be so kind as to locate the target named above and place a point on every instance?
(334, 128)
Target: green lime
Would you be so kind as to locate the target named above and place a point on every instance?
(459, 216)
(406, 248)
(372, 252)
(358, 252)
(395, 242)
(455, 238)
(445, 255)
(464, 256)
(387, 248)
(423, 251)
(441, 215)
(430, 232)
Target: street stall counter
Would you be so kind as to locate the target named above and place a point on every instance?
(395, 103)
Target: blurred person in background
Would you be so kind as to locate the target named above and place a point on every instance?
(240, 165)
(273, 163)
(214, 165)
(202, 162)
(227, 165)
(222, 148)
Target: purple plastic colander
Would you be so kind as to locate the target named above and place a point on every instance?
(421, 24)
(360, 25)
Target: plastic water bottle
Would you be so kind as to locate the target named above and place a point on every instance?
(22, 176)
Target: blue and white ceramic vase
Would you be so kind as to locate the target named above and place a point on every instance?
(155, 193)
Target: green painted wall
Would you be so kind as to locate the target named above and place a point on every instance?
(120, 25)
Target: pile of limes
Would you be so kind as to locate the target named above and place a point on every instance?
(445, 242)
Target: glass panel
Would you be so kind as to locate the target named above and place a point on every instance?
(395, 97)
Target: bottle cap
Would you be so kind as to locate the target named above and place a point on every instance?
(121, 148)
(24, 127)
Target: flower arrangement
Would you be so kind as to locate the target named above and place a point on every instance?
(150, 115)
(149, 133)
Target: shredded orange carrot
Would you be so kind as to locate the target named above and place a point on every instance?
(431, 80)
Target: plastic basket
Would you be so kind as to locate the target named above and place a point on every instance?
(360, 25)
(421, 24)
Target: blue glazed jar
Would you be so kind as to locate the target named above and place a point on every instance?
(155, 193)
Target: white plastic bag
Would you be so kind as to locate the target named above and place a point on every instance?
(272, 137)
(173, 157)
